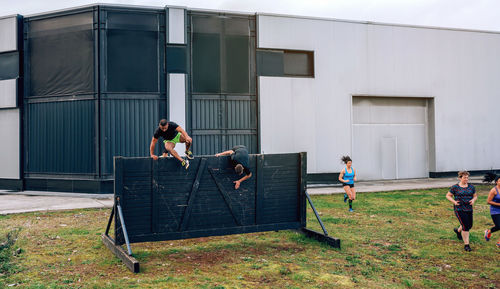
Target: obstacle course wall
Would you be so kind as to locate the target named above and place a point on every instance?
(162, 201)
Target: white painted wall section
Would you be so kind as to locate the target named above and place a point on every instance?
(9, 146)
(176, 27)
(8, 93)
(177, 104)
(8, 34)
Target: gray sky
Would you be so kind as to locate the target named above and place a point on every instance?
(468, 14)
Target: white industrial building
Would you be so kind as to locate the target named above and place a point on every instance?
(403, 101)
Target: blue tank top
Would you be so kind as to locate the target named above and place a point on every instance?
(495, 210)
(349, 177)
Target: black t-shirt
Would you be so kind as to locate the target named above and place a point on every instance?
(240, 156)
(169, 134)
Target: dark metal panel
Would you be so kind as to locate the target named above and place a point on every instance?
(239, 113)
(207, 144)
(9, 65)
(270, 63)
(127, 126)
(61, 137)
(247, 138)
(177, 58)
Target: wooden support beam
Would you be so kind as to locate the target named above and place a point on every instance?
(334, 242)
(129, 261)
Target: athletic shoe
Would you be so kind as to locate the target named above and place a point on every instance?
(487, 235)
(467, 248)
(185, 164)
(189, 155)
(351, 210)
(345, 198)
(459, 235)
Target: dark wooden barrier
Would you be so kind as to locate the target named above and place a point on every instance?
(160, 200)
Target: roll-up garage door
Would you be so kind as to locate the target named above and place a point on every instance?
(390, 137)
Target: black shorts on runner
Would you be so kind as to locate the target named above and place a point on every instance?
(346, 184)
(465, 219)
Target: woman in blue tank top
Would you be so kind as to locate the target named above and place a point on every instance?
(494, 201)
(347, 177)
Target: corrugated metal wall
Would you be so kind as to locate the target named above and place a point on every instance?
(127, 128)
(61, 137)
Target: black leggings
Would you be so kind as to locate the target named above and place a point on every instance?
(465, 219)
(496, 221)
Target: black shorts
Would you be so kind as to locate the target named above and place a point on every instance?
(465, 219)
(350, 185)
(496, 221)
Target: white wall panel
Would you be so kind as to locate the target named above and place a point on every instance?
(8, 93)
(8, 34)
(176, 27)
(369, 155)
(281, 130)
(177, 103)
(459, 69)
(9, 146)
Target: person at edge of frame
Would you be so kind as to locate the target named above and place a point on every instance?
(172, 134)
(463, 195)
(347, 177)
(239, 160)
(494, 201)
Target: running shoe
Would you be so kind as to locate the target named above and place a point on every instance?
(185, 164)
(189, 155)
(459, 235)
(487, 235)
(351, 210)
(345, 198)
(467, 248)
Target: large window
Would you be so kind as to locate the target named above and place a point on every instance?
(61, 57)
(132, 52)
(9, 65)
(289, 63)
(221, 48)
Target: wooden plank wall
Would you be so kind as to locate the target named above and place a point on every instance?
(163, 201)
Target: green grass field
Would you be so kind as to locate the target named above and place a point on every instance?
(392, 240)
